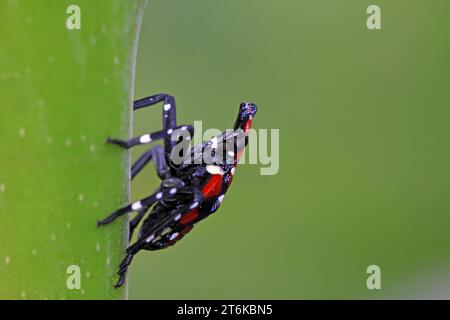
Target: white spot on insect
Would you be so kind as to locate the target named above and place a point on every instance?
(173, 191)
(136, 206)
(194, 205)
(220, 198)
(68, 142)
(159, 195)
(22, 132)
(212, 169)
(177, 217)
(34, 252)
(116, 60)
(214, 142)
(80, 197)
(184, 127)
(233, 170)
(97, 247)
(88, 274)
(92, 148)
(231, 153)
(167, 107)
(150, 238)
(169, 131)
(188, 138)
(2, 187)
(145, 138)
(174, 236)
(7, 260)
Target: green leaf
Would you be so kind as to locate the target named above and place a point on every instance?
(62, 92)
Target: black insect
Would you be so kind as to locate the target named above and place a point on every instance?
(190, 190)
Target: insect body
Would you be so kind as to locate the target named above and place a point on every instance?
(190, 190)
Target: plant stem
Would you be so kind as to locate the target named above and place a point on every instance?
(62, 93)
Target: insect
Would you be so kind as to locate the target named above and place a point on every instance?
(190, 190)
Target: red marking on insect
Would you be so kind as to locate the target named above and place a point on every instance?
(247, 126)
(213, 187)
(190, 216)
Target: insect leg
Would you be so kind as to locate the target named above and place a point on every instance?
(169, 239)
(143, 242)
(157, 155)
(149, 137)
(145, 202)
(146, 239)
(169, 114)
(150, 100)
(135, 221)
(141, 213)
(123, 269)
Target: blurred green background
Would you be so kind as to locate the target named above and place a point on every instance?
(364, 155)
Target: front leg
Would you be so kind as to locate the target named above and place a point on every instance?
(150, 137)
(169, 114)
